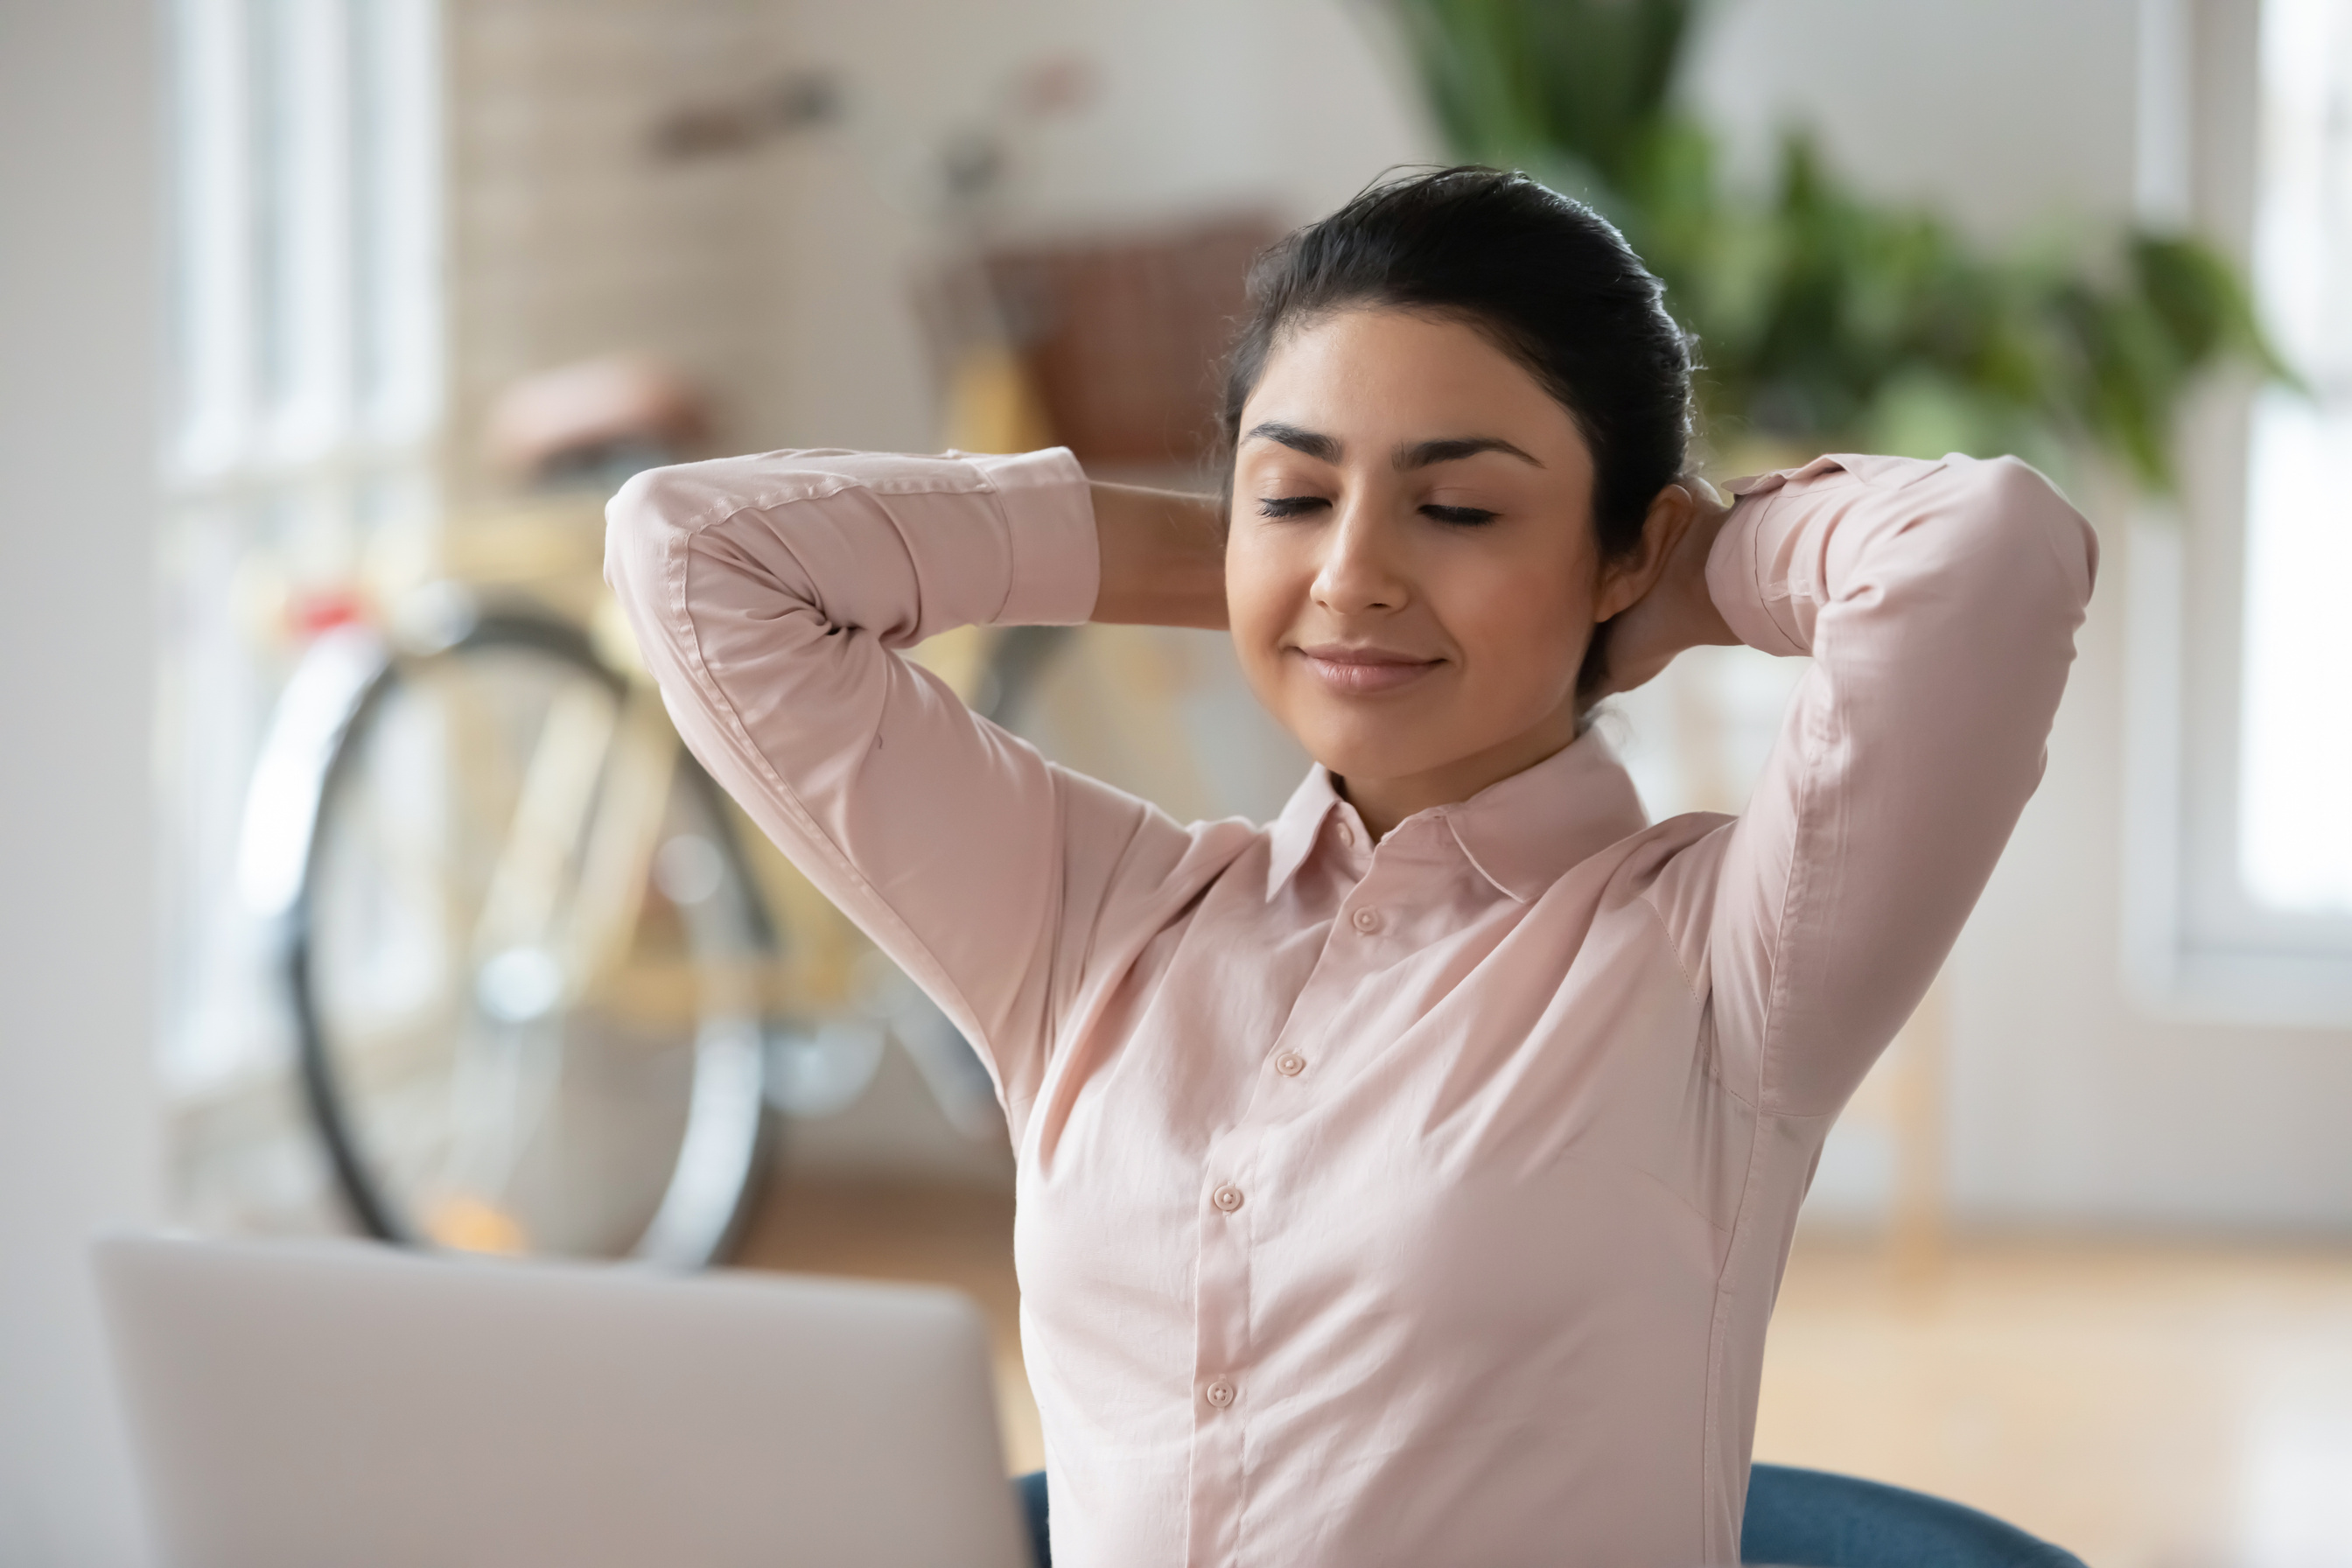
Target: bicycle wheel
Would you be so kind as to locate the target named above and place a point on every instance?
(527, 960)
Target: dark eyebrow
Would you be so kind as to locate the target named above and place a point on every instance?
(1311, 442)
(1423, 454)
(1420, 454)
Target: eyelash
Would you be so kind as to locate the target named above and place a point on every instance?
(1296, 506)
(1287, 506)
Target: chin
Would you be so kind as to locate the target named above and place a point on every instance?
(1365, 746)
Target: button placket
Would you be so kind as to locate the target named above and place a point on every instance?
(1222, 1353)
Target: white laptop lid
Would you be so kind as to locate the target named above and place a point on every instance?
(341, 1405)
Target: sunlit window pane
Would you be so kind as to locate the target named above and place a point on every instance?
(306, 249)
(2294, 832)
(395, 237)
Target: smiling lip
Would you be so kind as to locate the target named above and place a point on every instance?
(1365, 671)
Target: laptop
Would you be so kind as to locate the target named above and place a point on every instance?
(345, 1404)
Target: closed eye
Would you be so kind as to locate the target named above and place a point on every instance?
(1465, 516)
(1288, 506)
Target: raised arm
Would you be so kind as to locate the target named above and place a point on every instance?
(1163, 558)
(1938, 602)
(773, 596)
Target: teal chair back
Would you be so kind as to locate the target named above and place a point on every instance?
(1810, 1518)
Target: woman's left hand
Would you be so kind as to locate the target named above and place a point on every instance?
(1676, 611)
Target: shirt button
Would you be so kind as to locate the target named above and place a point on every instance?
(1347, 836)
(1220, 1394)
(1227, 1197)
(1290, 1064)
(1367, 920)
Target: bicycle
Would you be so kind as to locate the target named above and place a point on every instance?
(545, 981)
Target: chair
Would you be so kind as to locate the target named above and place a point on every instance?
(1032, 1488)
(1810, 1519)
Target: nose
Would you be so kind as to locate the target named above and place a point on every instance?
(1360, 573)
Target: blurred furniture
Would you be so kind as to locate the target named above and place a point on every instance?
(1815, 1519)
(1810, 1518)
(1110, 344)
(1120, 338)
(1032, 1488)
(597, 421)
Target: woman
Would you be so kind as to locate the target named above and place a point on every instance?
(1408, 1180)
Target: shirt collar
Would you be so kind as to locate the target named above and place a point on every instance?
(1294, 833)
(1522, 834)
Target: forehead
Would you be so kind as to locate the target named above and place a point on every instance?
(1385, 375)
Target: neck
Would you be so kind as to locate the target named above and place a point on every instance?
(1384, 803)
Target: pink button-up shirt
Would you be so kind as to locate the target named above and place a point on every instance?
(1417, 1202)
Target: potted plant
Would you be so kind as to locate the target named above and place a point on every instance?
(1825, 321)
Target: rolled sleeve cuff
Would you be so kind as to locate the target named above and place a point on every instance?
(1049, 516)
(1739, 582)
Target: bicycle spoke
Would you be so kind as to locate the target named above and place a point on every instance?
(535, 963)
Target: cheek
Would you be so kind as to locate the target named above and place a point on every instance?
(1522, 624)
(1261, 596)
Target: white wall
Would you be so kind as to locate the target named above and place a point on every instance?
(2069, 1102)
(78, 210)
(2010, 115)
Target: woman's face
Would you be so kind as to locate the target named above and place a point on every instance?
(1411, 572)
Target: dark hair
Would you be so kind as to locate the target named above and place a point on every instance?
(1550, 282)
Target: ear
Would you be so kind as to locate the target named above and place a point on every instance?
(1624, 581)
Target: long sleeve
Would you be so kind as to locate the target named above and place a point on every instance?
(1938, 602)
(770, 597)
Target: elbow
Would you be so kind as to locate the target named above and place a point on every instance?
(647, 524)
(2045, 546)
(641, 521)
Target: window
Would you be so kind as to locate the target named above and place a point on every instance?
(2240, 894)
(306, 400)
(2294, 830)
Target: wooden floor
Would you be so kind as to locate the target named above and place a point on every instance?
(2146, 1406)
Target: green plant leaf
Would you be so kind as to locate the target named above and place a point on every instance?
(1823, 319)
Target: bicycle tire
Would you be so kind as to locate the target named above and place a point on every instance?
(726, 1139)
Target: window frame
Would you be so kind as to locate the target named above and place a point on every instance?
(2196, 945)
(305, 409)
